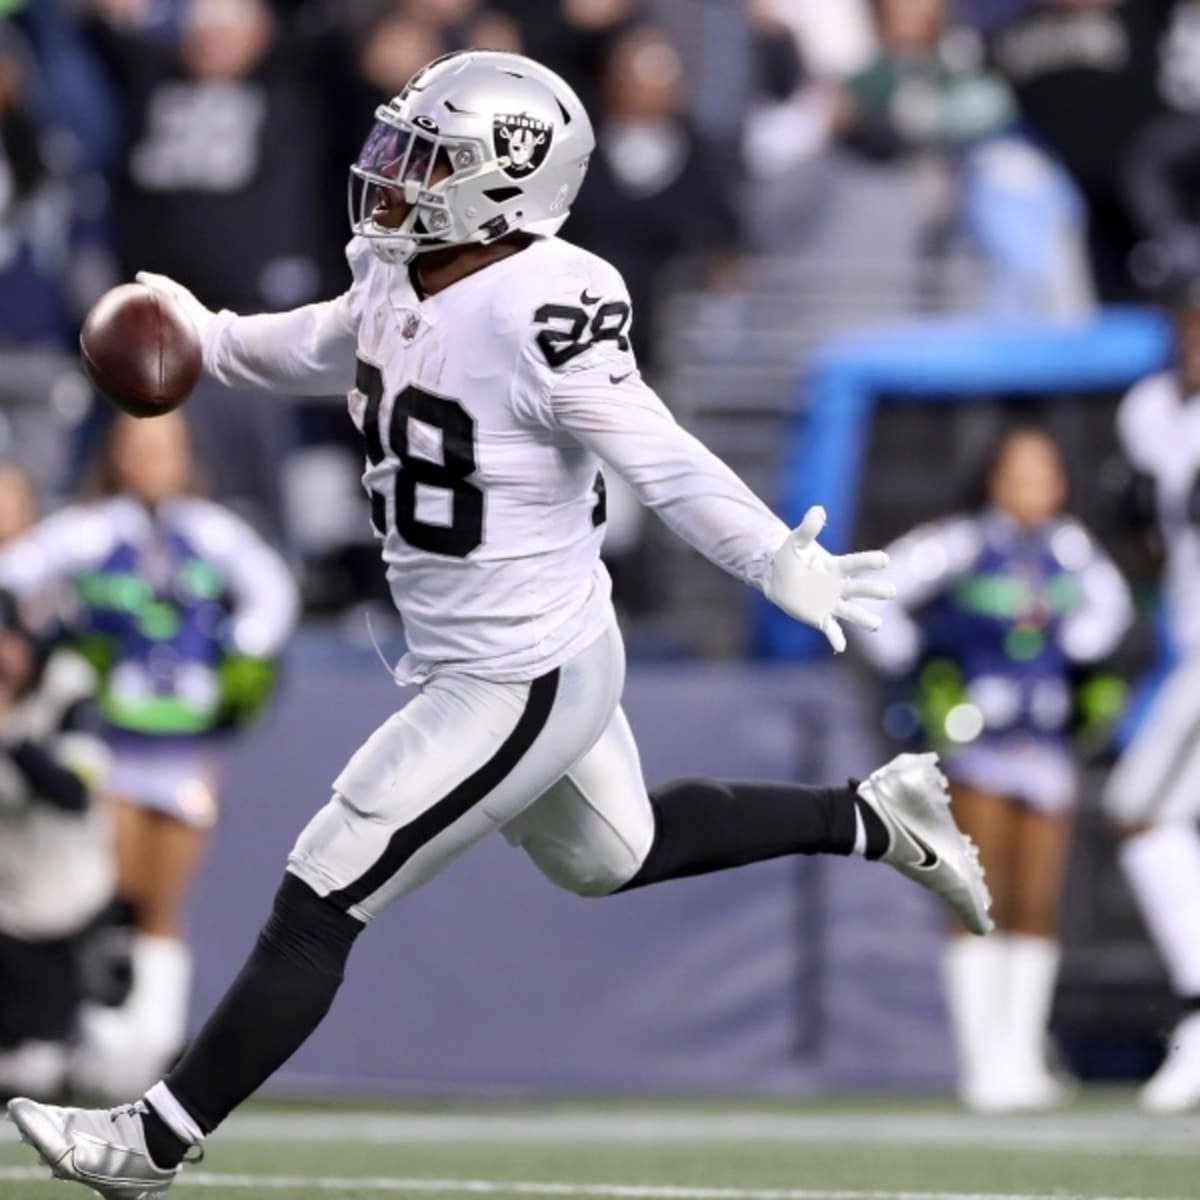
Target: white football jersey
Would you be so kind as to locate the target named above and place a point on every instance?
(486, 411)
(1159, 430)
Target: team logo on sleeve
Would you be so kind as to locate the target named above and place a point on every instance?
(523, 140)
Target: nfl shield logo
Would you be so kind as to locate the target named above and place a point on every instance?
(523, 140)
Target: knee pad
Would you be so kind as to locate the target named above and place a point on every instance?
(587, 870)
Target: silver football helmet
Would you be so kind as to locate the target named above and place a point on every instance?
(508, 140)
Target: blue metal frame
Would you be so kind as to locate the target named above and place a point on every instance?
(936, 361)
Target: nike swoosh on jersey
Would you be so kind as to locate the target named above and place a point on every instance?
(585, 299)
(621, 378)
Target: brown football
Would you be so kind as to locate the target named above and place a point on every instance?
(140, 350)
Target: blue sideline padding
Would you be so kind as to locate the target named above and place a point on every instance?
(943, 361)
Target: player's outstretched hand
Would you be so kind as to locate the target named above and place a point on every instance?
(199, 315)
(823, 589)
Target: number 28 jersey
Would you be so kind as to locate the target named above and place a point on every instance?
(486, 410)
(491, 520)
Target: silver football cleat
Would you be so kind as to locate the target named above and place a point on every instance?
(909, 794)
(104, 1149)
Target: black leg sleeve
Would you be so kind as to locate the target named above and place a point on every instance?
(704, 825)
(281, 995)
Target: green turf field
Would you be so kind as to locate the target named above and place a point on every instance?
(893, 1151)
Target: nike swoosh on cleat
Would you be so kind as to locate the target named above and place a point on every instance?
(621, 378)
(929, 857)
(584, 298)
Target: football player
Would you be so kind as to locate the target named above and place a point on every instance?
(489, 370)
(1153, 795)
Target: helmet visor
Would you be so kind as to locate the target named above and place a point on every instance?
(393, 194)
(392, 155)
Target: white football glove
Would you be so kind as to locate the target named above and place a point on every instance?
(820, 588)
(200, 316)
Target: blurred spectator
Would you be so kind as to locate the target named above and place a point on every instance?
(53, 263)
(18, 502)
(386, 51)
(1153, 795)
(56, 872)
(151, 18)
(1179, 57)
(1161, 181)
(467, 24)
(653, 192)
(996, 607)
(224, 185)
(835, 40)
(793, 202)
(224, 140)
(182, 609)
(927, 88)
(79, 102)
(1025, 218)
(790, 118)
(1086, 76)
(925, 101)
(572, 37)
(495, 31)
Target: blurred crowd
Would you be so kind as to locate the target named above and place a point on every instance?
(209, 140)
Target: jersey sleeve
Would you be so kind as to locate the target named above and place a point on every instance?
(1145, 428)
(57, 548)
(922, 564)
(1095, 626)
(578, 375)
(308, 351)
(265, 599)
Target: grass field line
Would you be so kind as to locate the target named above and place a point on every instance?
(1098, 1133)
(543, 1188)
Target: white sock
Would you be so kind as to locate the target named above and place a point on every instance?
(174, 1115)
(122, 1051)
(1032, 974)
(36, 1069)
(1163, 868)
(973, 974)
(162, 984)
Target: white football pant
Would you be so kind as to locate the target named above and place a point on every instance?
(550, 762)
(1157, 781)
(1155, 791)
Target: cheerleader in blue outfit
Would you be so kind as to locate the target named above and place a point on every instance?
(995, 608)
(183, 609)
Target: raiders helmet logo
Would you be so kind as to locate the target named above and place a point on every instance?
(523, 140)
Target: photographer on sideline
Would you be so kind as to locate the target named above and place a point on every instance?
(56, 869)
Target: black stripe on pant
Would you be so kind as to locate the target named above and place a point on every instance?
(407, 840)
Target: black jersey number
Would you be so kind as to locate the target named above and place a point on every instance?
(465, 530)
(568, 331)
